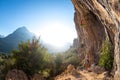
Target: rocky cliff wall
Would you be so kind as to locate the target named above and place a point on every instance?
(94, 20)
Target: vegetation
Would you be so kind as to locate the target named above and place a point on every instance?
(83, 22)
(106, 58)
(32, 57)
(64, 59)
(5, 63)
(71, 57)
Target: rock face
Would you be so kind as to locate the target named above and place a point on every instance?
(16, 75)
(91, 34)
(96, 69)
(94, 20)
(75, 43)
(74, 74)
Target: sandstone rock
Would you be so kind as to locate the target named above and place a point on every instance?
(70, 71)
(98, 16)
(90, 36)
(96, 69)
(70, 68)
(16, 75)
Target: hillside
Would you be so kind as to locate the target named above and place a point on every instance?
(1, 36)
(12, 40)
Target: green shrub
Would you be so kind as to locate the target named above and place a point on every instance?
(5, 64)
(62, 60)
(106, 58)
(71, 57)
(32, 57)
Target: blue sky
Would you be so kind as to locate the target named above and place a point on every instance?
(46, 18)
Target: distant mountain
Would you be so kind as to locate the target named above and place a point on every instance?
(12, 40)
(53, 49)
(1, 36)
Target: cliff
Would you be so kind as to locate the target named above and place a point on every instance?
(95, 20)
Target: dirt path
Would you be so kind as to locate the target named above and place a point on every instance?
(83, 75)
(92, 75)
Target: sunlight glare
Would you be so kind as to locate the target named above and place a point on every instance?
(56, 34)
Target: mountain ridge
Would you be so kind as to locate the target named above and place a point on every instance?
(12, 40)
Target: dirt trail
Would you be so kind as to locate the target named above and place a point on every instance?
(82, 75)
(92, 75)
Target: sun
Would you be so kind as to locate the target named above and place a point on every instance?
(56, 34)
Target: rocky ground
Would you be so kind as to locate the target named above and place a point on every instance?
(73, 74)
(20, 75)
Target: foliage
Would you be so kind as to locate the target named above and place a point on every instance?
(5, 64)
(106, 58)
(71, 57)
(59, 66)
(31, 57)
(62, 60)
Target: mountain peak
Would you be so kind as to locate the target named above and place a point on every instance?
(23, 28)
(13, 39)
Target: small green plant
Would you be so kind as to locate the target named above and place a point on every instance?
(106, 58)
(83, 23)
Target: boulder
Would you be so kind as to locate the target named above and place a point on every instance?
(16, 75)
(37, 77)
(96, 69)
(70, 67)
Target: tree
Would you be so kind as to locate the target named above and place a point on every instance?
(31, 57)
(62, 60)
(106, 58)
(59, 66)
(5, 64)
(71, 57)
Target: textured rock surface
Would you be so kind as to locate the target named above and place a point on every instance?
(16, 75)
(73, 74)
(91, 34)
(93, 19)
(70, 74)
(96, 69)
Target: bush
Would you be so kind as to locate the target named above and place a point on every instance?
(5, 64)
(106, 58)
(71, 57)
(32, 57)
(62, 60)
